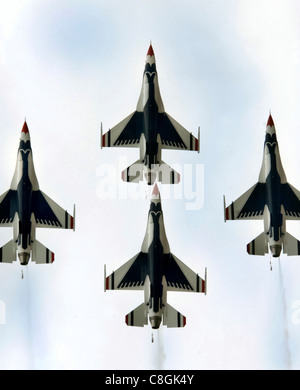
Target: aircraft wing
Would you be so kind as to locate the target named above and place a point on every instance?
(174, 136)
(49, 214)
(127, 133)
(248, 206)
(8, 207)
(290, 198)
(180, 277)
(130, 276)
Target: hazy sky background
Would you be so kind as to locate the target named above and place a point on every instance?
(222, 65)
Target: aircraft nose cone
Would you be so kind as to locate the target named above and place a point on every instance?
(25, 128)
(275, 250)
(155, 322)
(25, 136)
(24, 258)
(155, 197)
(270, 121)
(150, 51)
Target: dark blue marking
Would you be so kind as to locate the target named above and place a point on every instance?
(256, 202)
(42, 210)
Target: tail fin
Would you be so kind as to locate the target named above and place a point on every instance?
(291, 246)
(8, 252)
(259, 246)
(138, 317)
(172, 318)
(41, 254)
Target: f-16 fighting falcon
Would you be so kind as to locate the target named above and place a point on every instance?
(25, 208)
(151, 129)
(156, 271)
(272, 199)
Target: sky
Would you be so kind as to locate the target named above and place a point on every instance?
(66, 66)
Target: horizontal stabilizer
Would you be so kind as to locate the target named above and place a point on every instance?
(138, 317)
(8, 252)
(41, 254)
(168, 175)
(134, 173)
(291, 246)
(259, 246)
(172, 318)
(163, 173)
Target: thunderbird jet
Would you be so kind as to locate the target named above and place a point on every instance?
(25, 208)
(155, 270)
(151, 129)
(272, 199)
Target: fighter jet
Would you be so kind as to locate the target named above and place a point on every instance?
(151, 129)
(155, 270)
(272, 199)
(25, 208)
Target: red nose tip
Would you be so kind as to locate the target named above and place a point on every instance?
(270, 121)
(150, 51)
(155, 190)
(25, 128)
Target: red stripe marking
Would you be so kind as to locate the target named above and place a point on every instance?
(72, 222)
(126, 319)
(248, 249)
(227, 214)
(196, 144)
(52, 257)
(184, 321)
(203, 285)
(107, 283)
(103, 140)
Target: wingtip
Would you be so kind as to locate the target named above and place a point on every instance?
(73, 218)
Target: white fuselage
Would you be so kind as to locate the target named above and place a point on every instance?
(272, 174)
(156, 245)
(24, 182)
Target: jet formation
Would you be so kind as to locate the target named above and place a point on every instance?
(272, 200)
(155, 270)
(25, 207)
(150, 129)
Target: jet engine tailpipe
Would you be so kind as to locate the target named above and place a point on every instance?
(275, 250)
(155, 322)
